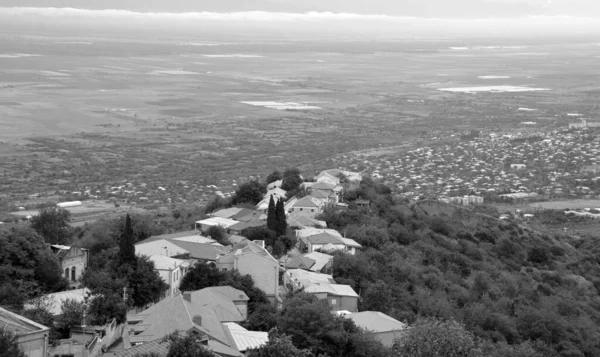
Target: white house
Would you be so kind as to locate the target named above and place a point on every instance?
(171, 270)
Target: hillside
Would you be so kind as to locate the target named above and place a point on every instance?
(508, 284)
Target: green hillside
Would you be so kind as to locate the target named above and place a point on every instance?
(507, 284)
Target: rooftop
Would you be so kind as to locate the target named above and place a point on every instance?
(18, 324)
(376, 321)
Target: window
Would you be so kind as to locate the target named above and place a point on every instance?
(312, 209)
(333, 301)
(300, 209)
(73, 275)
(67, 273)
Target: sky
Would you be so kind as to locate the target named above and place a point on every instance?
(408, 18)
(418, 8)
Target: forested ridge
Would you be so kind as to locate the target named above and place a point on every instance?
(506, 283)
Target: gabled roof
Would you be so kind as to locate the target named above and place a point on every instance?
(297, 219)
(312, 231)
(244, 339)
(246, 215)
(243, 225)
(176, 314)
(308, 201)
(247, 247)
(217, 221)
(202, 251)
(18, 324)
(330, 289)
(300, 262)
(321, 260)
(158, 347)
(324, 238)
(376, 321)
(323, 186)
(220, 301)
(226, 212)
(320, 194)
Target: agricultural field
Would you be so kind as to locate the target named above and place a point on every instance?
(567, 204)
(91, 112)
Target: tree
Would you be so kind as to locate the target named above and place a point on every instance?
(272, 215)
(218, 233)
(9, 347)
(260, 233)
(71, 315)
(273, 176)
(27, 265)
(291, 179)
(145, 284)
(201, 276)
(103, 308)
(279, 345)
(52, 223)
(281, 226)
(250, 192)
(126, 245)
(263, 318)
(438, 339)
(187, 346)
(377, 297)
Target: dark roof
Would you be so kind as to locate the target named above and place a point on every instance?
(300, 262)
(221, 301)
(175, 314)
(158, 346)
(322, 186)
(324, 238)
(246, 215)
(201, 251)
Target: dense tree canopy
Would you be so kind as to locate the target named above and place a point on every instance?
(514, 289)
(27, 266)
(273, 176)
(250, 192)
(52, 223)
(291, 179)
(187, 346)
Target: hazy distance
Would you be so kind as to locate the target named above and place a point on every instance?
(327, 18)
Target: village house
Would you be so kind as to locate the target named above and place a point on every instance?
(54, 301)
(32, 337)
(229, 304)
(171, 271)
(246, 340)
(309, 205)
(73, 260)
(205, 224)
(182, 248)
(338, 296)
(315, 261)
(312, 239)
(180, 314)
(384, 328)
(252, 259)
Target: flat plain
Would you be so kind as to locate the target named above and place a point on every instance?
(82, 112)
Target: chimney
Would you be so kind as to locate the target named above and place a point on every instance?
(187, 296)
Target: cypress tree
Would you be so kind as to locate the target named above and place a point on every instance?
(272, 216)
(281, 219)
(126, 244)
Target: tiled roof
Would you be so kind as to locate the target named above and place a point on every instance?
(244, 339)
(323, 186)
(307, 201)
(176, 314)
(324, 238)
(376, 321)
(319, 194)
(158, 346)
(243, 225)
(219, 301)
(226, 212)
(246, 215)
(18, 324)
(320, 259)
(300, 262)
(312, 231)
(351, 243)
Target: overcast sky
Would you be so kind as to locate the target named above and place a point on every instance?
(429, 18)
(424, 8)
